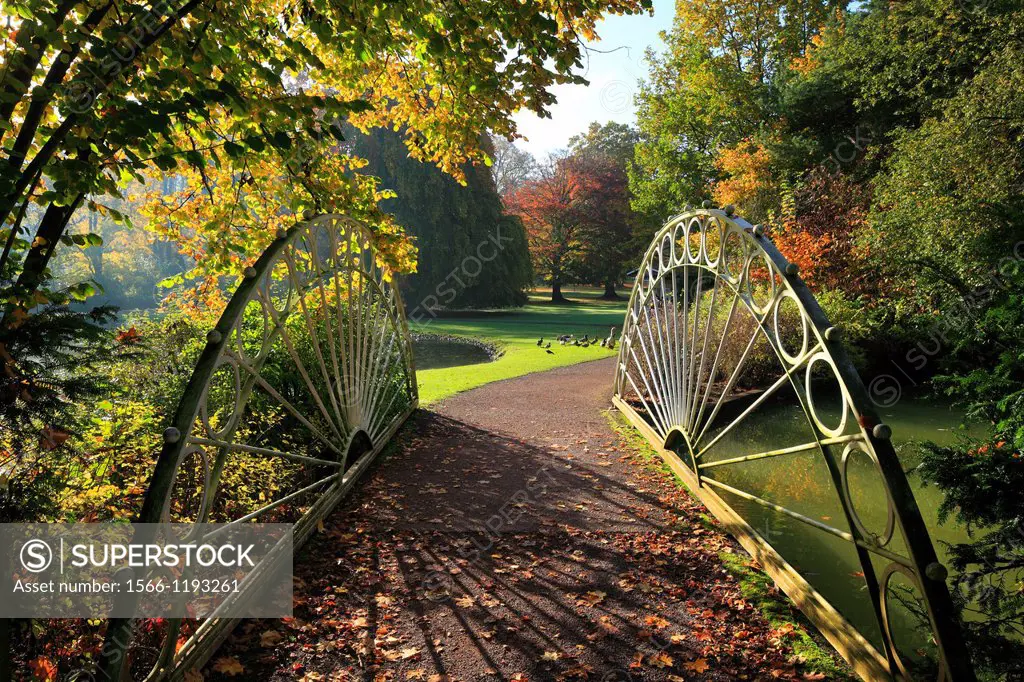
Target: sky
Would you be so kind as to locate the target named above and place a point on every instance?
(613, 74)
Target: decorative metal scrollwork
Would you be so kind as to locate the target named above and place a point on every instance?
(723, 347)
(304, 379)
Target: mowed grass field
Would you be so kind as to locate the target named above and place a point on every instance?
(515, 332)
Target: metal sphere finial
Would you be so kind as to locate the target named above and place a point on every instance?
(214, 336)
(730, 209)
(882, 431)
(706, 203)
(249, 272)
(792, 269)
(759, 230)
(936, 571)
(171, 435)
(308, 214)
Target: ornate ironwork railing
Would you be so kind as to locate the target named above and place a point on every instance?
(730, 367)
(304, 379)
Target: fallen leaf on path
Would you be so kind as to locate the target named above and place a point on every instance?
(661, 660)
(698, 666)
(228, 665)
(270, 638)
(657, 622)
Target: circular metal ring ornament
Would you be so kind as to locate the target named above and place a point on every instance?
(703, 355)
(318, 357)
(885, 537)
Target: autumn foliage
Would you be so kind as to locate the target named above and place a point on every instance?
(829, 210)
(577, 219)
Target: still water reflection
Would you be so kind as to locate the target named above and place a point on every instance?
(802, 483)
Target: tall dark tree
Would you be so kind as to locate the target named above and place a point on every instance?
(471, 254)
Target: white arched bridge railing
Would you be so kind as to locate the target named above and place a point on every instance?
(306, 376)
(729, 366)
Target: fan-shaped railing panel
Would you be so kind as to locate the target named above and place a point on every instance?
(305, 378)
(728, 364)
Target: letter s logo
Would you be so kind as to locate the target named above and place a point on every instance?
(36, 556)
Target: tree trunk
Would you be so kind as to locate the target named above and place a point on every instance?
(609, 291)
(51, 227)
(556, 293)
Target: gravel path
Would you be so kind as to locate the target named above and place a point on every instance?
(512, 536)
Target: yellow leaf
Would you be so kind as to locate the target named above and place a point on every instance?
(661, 660)
(228, 665)
(551, 656)
(270, 638)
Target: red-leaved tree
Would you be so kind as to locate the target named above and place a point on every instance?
(578, 221)
(552, 210)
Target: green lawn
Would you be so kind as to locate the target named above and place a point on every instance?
(516, 333)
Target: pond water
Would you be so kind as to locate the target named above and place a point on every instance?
(802, 483)
(434, 352)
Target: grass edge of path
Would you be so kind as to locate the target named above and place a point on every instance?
(807, 644)
(511, 354)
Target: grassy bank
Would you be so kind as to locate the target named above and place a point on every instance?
(812, 650)
(515, 333)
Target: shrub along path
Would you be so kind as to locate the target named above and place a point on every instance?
(512, 535)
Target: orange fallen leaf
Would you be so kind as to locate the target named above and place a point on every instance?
(661, 660)
(698, 666)
(657, 622)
